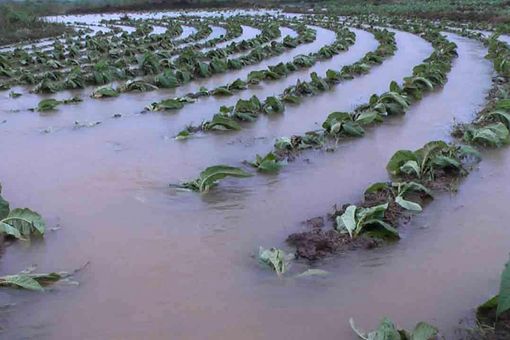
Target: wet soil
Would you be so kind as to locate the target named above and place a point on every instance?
(317, 243)
(488, 326)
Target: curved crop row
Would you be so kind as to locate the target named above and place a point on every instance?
(341, 125)
(437, 165)
(102, 53)
(344, 38)
(76, 47)
(149, 63)
(249, 110)
(415, 178)
(191, 64)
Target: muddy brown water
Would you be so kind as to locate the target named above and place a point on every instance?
(167, 264)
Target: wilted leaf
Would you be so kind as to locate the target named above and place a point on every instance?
(411, 168)
(184, 134)
(269, 163)
(274, 258)
(26, 221)
(47, 105)
(221, 122)
(347, 220)
(313, 272)
(212, 174)
(166, 104)
(20, 281)
(105, 91)
(424, 331)
(494, 135)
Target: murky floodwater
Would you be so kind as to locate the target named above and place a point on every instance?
(178, 265)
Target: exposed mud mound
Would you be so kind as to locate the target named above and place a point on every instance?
(488, 328)
(317, 243)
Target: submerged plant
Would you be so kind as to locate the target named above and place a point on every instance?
(167, 79)
(252, 105)
(390, 103)
(276, 259)
(20, 223)
(222, 91)
(13, 94)
(104, 91)
(500, 303)
(48, 105)
(29, 280)
(269, 163)
(273, 105)
(72, 100)
(343, 124)
(211, 175)
(432, 157)
(169, 104)
(309, 140)
(387, 331)
(221, 122)
(137, 85)
(45, 86)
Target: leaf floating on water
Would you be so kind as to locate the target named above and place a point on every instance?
(20, 281)
(13, 94)
(185, 134)
(79, 125)
(29, 280)
(56, 228)
(22, 223)
(313, 272)
(210, 177)
(73, 100)
(48, 130)
(268, 164)
(48, 105)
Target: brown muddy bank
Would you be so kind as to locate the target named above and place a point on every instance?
(316, 243)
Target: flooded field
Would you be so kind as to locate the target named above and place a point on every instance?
(170, 263)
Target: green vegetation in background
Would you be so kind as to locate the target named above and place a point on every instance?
(52, 7)
(19, 19)
(20, 22)
(495, 11)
